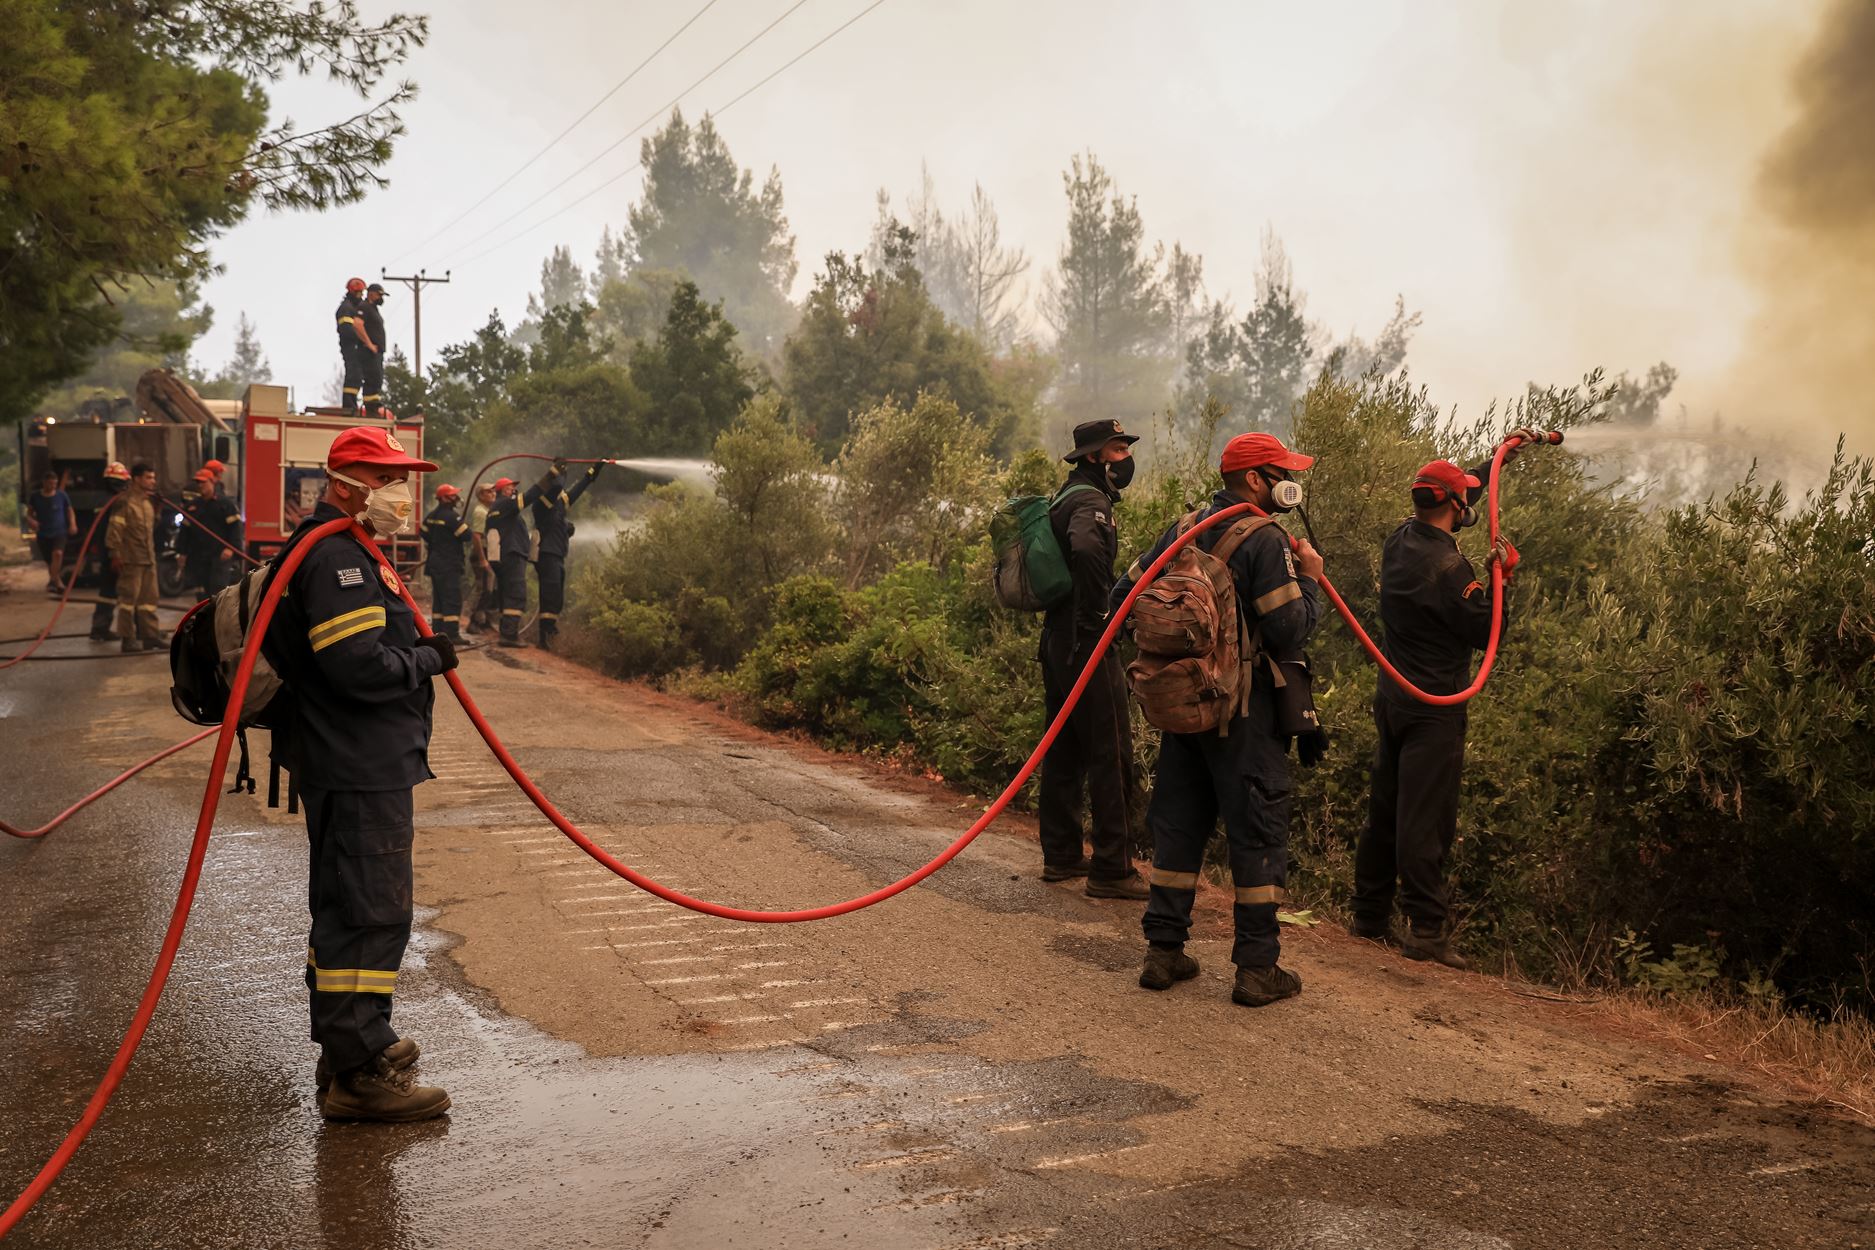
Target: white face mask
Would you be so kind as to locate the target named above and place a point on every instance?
(388, 509)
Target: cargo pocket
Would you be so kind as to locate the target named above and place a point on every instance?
(374, 834)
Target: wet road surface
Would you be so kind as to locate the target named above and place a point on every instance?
(967, 1066)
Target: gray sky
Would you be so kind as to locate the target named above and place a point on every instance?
(1554, 186)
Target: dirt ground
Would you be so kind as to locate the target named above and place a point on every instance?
(969, 1064)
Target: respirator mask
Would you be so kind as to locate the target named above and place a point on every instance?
(1119, 473)
(1285, 493)
(388, 509)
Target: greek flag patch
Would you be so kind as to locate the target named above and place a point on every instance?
(351, 577)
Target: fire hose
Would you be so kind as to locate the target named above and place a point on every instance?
(101, 791)
(77, 564)
(172, 938)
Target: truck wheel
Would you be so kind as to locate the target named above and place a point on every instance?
(169, 578)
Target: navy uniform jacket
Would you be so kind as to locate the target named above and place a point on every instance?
(550, 508)
(223, 519)
(1273, 598)
(1434, 611)
(374, 322)
(1083, 525)
(445, 534)
(345, 644)
(504, 518)
(351, 308)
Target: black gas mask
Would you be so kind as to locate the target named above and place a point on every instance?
(1433, 496)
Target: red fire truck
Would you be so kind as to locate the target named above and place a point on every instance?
(283, 465)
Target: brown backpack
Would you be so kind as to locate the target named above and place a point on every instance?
(1195, 649)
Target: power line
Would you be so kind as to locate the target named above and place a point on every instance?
(621, 140)
(718, 113)
(551, 143)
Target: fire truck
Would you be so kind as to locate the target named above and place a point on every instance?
(275, 458)
(283, 465)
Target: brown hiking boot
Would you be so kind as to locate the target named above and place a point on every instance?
(400, 1054)
(378, 1091)
(1132, 887)
(1436, 947)
(1066, 872)
(1259, 987)
(1164, 967)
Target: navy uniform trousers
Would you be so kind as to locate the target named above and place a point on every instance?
(1242, 778)
(550, 571)
(446, 600)
(511, 573)
(359, 893)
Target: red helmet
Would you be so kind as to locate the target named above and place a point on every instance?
(446, 492)
(116, 472)
(354, 285)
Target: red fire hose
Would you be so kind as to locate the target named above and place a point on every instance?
(101, 791)
(77, 564)
(185, 898)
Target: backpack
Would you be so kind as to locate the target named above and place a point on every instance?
(1193, 672)
(1031, 570)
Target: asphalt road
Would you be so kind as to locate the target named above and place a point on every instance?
(967, 1066)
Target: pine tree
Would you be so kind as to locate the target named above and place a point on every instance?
(701, 214)
(1105, 303)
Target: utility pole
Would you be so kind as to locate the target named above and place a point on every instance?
(416, 282)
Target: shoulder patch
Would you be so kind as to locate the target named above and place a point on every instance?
(1289, 559)
(1472, 589)
(1103, 518)
(351, 577)
(389, 578)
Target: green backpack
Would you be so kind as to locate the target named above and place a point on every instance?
(1031, 570)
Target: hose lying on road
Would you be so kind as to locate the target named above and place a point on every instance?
(101, 791)
(185, 898)
(77, 564)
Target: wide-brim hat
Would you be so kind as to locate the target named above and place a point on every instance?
(1091, 436)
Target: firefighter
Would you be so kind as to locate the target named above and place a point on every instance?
(372, 388)
(355, 344)
(1094, 752)
(1241, 775)
(209, 551)
(551, 502)
(130, 538)
(356, 742)
(1435, 613)
(511, 545)
(444, 536)
(485, 601)
(116, 482)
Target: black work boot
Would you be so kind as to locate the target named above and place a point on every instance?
(1165, 966)
(1435, 946)
(1259, 987)
(1066, 872)
(379, 1091)
(105, 635)
(1131, 887)
(1382, 932)
(400, 1054)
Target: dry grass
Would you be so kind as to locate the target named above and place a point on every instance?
(1829, 1061)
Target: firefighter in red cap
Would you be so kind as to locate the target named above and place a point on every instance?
(1240, 772)
(1435, 613)
(445, 534)
(209, 546)
(358, 680)
(356, 346)
(513, 549)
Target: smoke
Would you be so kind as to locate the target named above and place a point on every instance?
(1810, 249)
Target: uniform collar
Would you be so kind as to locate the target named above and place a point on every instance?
(1084, 474)
(325, 511)
(1432, 531)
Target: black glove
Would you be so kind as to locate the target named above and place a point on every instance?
(559, 466)
(592, 470)
(445, 651)
(1311, 747)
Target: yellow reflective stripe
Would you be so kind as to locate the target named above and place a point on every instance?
(350, 980)
(344, 626)
(1174, 880)
(1256, 895)
(511, 611)
(549, 616)
(1286, 593)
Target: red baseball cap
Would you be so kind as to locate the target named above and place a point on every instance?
(446, 491)
(502, 483)
(1253, 451)
(1448, 477)
(215, 466)
(204, 475)
(367, 444)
